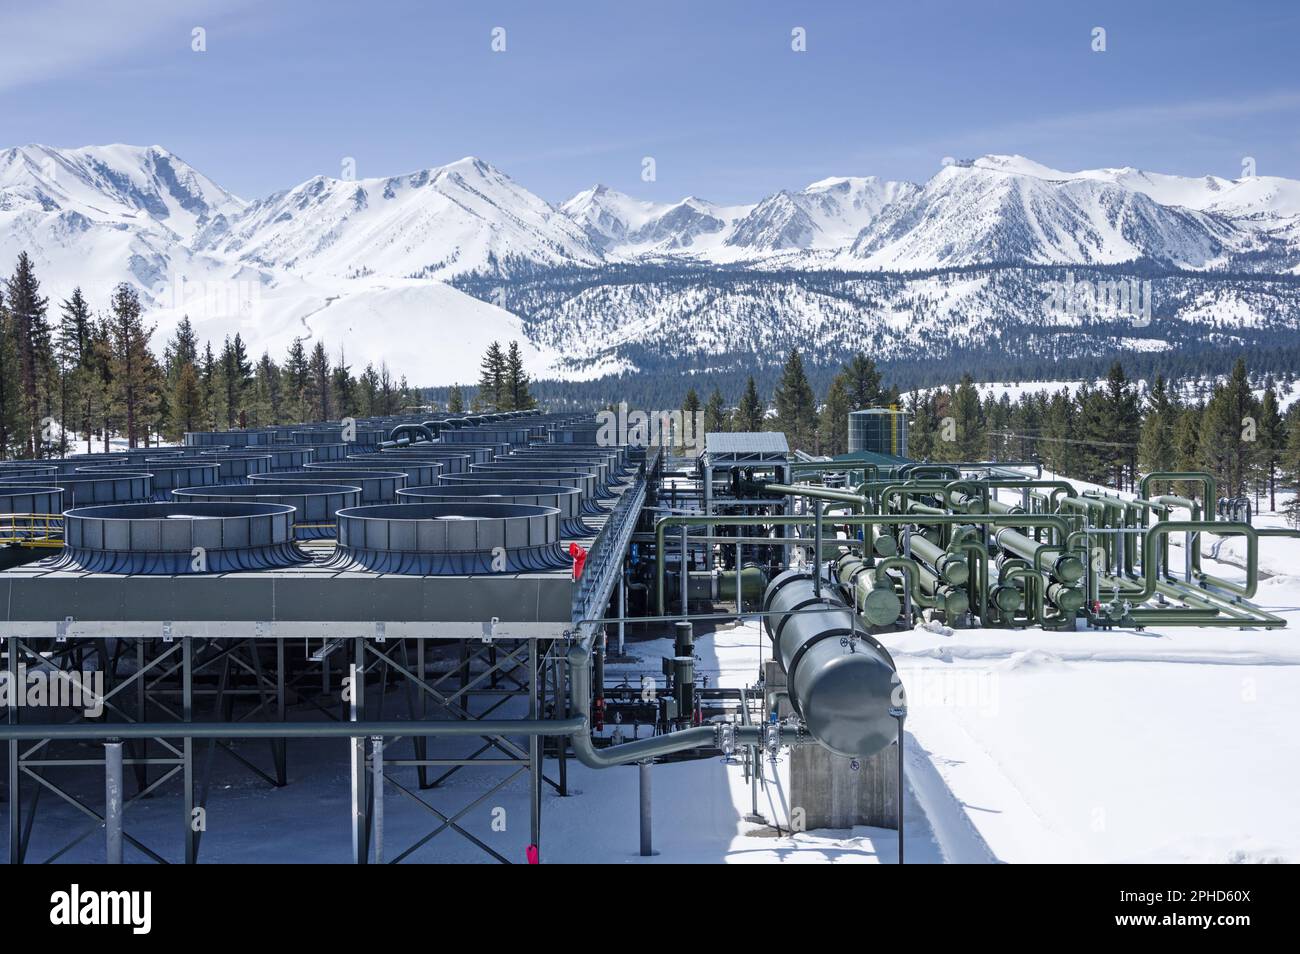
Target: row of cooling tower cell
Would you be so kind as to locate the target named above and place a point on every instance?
(424, 509)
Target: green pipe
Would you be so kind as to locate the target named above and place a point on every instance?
(1206, 481)
(949, 566)
(870, 592)
(950, 599)
(977, 556)
(1007, 597)
(1066, 566)
(1159, 533)
(1041, 520)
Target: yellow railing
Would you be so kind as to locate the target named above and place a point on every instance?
(31, 529)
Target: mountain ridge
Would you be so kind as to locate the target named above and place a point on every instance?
(96, 215)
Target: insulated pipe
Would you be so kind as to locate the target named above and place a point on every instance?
(841, 681)
(1207, 482)
(949, 566)
(1065, 567)
(873, 598)
(1039, 520)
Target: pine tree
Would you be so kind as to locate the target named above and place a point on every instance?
(1060, 435)
(921, 427)
(796, 407)
(268, 394)
(863, 383)
(1118, 437)
(72, 352)
(1289, 458)
(208, 381)
(186, 400)
(368, 391)
(690, 408)
(135, 376)
(344, 388)
(1156, 448)
(833, 426)
(33, 349)
(515, 382)
(492, 379)
(715, 413)
(97, 391)
(8, 381)
(1187, 445)
(750, 414)
(318, 384)
(387, 395)
(1270, 442)
(296, 374)
(1228, 432)
(455, 401)
(968, 422)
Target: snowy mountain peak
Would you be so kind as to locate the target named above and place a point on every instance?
(138, 185)
(466, 216)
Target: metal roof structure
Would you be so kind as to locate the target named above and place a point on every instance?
(738, 448)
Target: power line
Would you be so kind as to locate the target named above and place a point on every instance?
(1058, 440)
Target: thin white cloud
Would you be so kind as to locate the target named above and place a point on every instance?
(59, 38)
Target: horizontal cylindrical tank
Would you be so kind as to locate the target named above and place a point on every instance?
(951, 567)
(1066, 567)
(874, 599)
(842, 682)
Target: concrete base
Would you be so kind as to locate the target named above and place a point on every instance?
(834, 791)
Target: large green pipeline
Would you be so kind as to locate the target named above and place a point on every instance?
(870, 591)
(1059, 488)
(1041, 520)
(1065, 567)
(950, 567)
(1157, 533)
(1207, 482)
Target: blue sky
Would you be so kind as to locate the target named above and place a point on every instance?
(711, 89)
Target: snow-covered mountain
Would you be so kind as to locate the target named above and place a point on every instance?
(128, 185)
(100, 215)
(990, 212)
(386, 263)
(827, 214)
(463, 217)
(623, 227)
